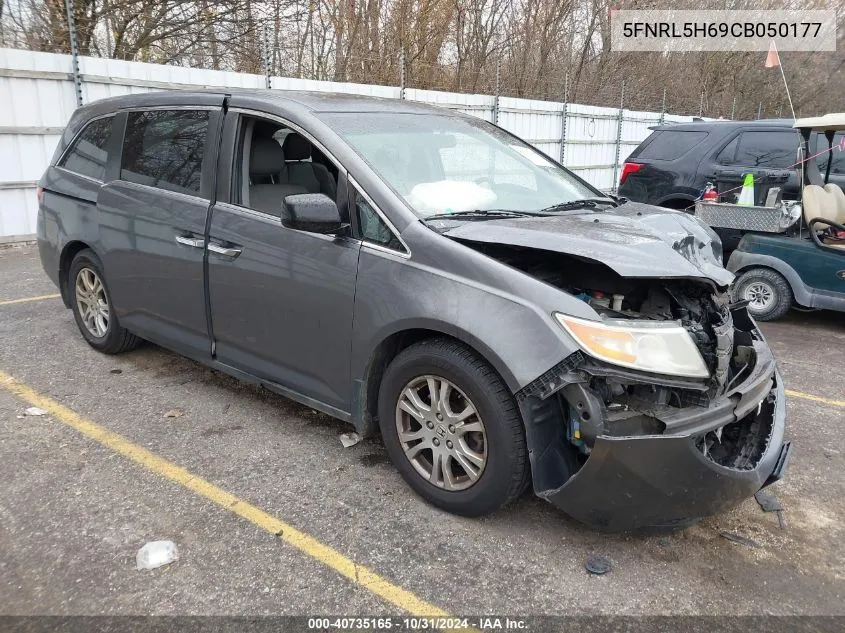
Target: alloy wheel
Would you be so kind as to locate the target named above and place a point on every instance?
(91, 302)
(441, 433)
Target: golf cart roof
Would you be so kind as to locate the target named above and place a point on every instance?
(833, 121)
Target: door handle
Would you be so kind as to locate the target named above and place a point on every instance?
(224, 250)
(196, 242)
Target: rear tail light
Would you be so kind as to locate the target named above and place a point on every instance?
(39, 192)
(627, 170)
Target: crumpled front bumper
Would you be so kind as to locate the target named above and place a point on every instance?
(664, 480)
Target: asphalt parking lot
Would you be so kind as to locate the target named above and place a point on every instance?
(76, 506)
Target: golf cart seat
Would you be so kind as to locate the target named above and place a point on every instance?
(839, 195)
(823, 201)
(820, 202)
(827, 203)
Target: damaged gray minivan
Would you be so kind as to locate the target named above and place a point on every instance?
(423, 273)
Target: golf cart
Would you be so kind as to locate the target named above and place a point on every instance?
(804, 263)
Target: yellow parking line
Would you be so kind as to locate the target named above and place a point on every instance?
(354, 572)
(807, 396)
(27, 299)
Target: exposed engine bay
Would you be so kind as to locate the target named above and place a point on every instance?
(598, 399)
(669, 405)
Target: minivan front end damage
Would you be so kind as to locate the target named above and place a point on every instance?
(620, 449)
(672, 408)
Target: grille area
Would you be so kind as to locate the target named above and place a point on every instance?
(741, 444)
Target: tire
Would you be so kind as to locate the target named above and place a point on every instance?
(678, 204)
(770, 295)
(103, 334)
(473, 384)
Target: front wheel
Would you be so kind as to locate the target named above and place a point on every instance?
(452, 428)
(769, 295)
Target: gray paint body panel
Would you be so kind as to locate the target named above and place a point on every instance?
(304, 314)
(635, 240)
(156, 283)
(443, 286)
(282, 309)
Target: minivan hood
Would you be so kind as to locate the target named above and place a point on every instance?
(633, 239)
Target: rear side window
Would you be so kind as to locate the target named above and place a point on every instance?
(164, 148)
(774, 150)
(88, 155)
(671, 144)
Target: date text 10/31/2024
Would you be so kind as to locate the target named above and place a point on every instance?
(486, 623)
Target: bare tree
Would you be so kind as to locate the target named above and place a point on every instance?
(545, 48)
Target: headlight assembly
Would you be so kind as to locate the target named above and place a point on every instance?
(662, 348)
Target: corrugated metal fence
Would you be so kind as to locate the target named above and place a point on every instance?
(39, 94)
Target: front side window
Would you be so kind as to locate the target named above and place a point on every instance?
(373, 228)
(164, 148)
(273, 161)
(445, 163)
(88, 154)
(772, 150)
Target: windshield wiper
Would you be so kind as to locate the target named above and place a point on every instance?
(582, 203)
(611, 200)
(482, 214)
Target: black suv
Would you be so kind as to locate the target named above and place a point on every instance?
(673, 165)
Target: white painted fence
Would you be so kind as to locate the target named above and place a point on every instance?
(37, 94)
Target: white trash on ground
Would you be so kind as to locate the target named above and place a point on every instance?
(36, 411)
(349, 439)
(156, 554)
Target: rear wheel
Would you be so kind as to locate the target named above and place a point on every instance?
(769, 295)
(452, 428)
(91, 305)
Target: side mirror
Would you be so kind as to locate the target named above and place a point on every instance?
(313, 212)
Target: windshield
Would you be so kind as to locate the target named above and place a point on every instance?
(444, 164)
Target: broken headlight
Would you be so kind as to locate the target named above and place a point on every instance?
(663, 348)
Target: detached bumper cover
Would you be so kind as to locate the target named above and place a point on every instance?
(661, 480)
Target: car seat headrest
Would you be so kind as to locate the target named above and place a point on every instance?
(266, 157)
(296, 147)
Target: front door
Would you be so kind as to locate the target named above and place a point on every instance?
(152, 225)
(281, 300)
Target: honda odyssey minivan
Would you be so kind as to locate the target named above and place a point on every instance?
(429, 276)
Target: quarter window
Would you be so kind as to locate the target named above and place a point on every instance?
(373, 228)
(164, 148)
(727, 155)
(88, 154)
